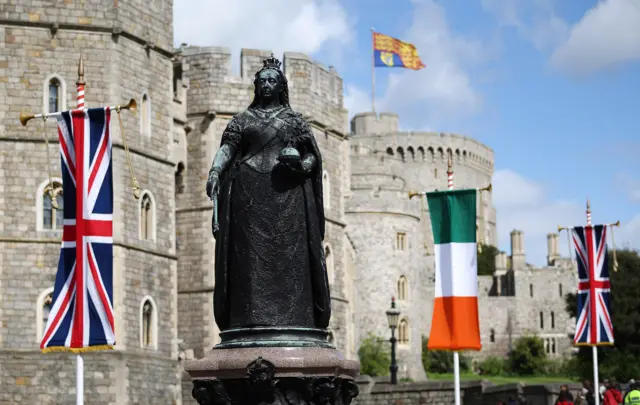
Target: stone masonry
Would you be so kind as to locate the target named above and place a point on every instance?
(186, 97)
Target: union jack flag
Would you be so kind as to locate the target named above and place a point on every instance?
(81, 316)
(593, 324)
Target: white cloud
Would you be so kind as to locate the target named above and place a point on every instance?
(523, 204)
(629, 234)
(356, 100)
(279, 25)
(443, 89)
(534, 20)
(607, 35)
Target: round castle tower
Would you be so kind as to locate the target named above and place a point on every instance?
(392, 233)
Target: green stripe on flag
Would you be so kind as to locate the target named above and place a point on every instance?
(453, 216)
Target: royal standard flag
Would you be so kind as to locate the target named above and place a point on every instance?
(455, 324)
(391, 52)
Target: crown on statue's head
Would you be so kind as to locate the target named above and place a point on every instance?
(271, 63)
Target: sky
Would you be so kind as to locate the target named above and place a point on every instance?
(550, 85)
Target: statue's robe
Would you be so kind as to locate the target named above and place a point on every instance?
(270, 267)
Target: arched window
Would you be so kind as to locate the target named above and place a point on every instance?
(403, 289)
(326, 189)
(420, 153)
(403, 332)
(400, 152)
(553, 346)
(390, 151)
(401, 241)
(179, 179)
(531, 290)
(147, 216)
(449, 154)
(541, 320)
(553, 320)
(430, 154)
(464, 155)
(145, 115)
(44, 305)
(328, 256)
(560, 289)
(457, 155)
(54, 94)
(492, 336)
(48, 216)
(148, 323)
(412, 154)
(441, 154)
(547, 346)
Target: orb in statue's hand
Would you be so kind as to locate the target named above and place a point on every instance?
(290, 157)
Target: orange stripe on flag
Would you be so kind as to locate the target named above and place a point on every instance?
(455, 324)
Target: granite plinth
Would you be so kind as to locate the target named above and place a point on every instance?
(273, 337)
(288, 362)
(276, 375)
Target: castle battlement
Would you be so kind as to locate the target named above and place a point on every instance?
(431, 147)
(314, 90)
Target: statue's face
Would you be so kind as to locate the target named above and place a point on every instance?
(269, 84)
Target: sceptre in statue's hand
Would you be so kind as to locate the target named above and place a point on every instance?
(213, 185)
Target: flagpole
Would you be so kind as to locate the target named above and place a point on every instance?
(594, 348)
(79, 360)
(373, 71)
(456, 355)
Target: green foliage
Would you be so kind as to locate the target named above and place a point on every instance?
(375, 357)
(493, 366)
(528, 356)
(622, 361)
(487, 260)
(441, 361)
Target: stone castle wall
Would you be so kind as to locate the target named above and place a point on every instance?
(118, 66)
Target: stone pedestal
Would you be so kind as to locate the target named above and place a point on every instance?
(279, 366)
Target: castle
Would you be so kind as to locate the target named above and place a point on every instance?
(378, 240)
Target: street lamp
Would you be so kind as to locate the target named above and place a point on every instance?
(393, 315)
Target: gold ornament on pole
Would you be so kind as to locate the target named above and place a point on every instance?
(132, 106)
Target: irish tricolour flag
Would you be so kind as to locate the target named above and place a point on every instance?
(455, 324)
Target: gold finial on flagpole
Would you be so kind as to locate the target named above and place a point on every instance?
(81, 70)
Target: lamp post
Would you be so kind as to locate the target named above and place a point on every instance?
(392, 316)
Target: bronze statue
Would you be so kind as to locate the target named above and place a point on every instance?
(266, 183)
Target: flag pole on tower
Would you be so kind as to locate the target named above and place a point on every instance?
(373, 71)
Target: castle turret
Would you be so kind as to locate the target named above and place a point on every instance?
(517, 250)
(552, 248)
(500, 274)
(370, 123)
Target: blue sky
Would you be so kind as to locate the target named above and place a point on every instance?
(552, 86)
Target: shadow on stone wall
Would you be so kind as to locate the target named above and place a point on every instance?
(378, 391)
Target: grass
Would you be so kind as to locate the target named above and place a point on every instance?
(500, 380)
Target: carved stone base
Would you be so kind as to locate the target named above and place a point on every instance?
(274, 376)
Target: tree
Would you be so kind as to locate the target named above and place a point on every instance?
(375, 357)
(621, 361)
(487, 260)
(528, 356)
(441, 361)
